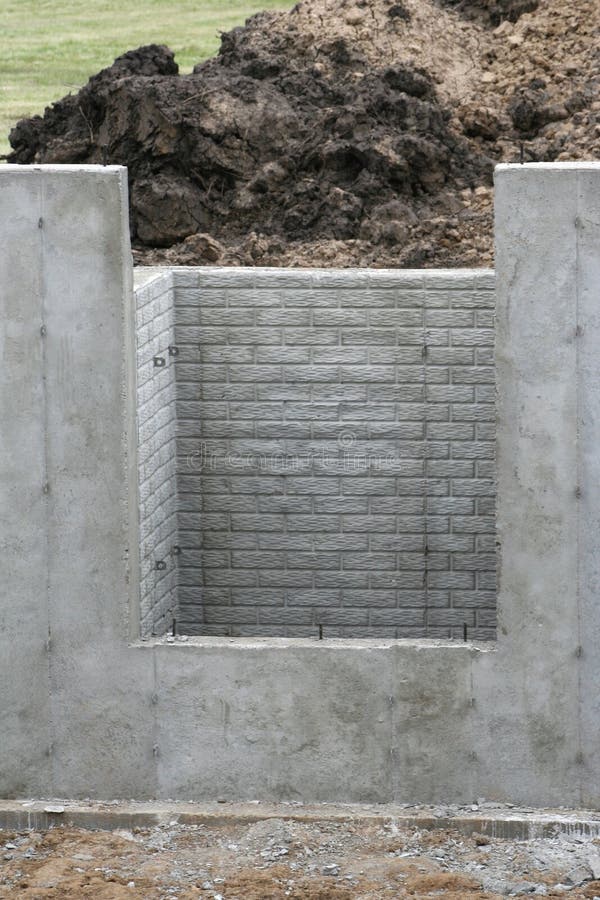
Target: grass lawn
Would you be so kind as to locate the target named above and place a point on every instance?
(51, 47)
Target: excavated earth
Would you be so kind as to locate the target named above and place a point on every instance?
(280, 858)
(341, 133)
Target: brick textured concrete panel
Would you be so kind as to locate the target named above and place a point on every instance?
(335, 452)
(157, 453)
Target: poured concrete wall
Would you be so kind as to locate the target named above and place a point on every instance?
(336, 452)
(68, 486)
(89, 710)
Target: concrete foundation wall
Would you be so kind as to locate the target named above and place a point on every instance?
(336, 452)
(89, 710)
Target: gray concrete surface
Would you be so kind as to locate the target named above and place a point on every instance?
(90, 711)
(548, 457)
(74, 702)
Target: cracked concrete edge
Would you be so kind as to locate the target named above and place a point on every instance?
(501, 822)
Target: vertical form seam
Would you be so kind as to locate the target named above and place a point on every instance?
(578, 486)
(393, 784)
(46, 487)
(154, 700)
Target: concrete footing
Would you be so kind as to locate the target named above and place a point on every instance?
(510, 824)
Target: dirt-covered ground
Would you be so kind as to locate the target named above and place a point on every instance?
(341, 133)
(281, 858)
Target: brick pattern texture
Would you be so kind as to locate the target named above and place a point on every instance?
(335, 443)
(157, 455)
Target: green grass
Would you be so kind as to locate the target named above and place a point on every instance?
(50, 48)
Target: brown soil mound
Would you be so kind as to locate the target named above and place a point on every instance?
(345, 132)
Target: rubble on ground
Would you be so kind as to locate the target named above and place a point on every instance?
(309, 858)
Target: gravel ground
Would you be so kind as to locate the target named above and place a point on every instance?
(287, 857)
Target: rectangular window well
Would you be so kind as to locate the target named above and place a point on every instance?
(316, 453)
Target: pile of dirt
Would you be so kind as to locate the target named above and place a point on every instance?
(341, 133)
